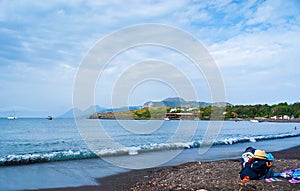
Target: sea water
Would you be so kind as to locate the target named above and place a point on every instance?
(41, 142)
(26, 141)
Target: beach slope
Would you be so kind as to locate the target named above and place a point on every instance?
(217, 175)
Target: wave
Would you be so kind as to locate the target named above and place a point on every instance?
(21, 159)
(256, 138)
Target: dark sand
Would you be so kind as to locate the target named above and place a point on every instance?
(217, 175)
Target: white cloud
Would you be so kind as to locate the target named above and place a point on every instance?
(274, 13)
(262, 48)
(265, 61)
(43, 43)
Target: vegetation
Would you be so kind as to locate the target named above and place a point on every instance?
(252, 111)
(144, 113)
(151, 113)
(204, 113)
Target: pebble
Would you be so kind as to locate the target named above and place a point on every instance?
(219, 175)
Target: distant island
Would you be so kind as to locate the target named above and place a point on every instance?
(178, 109)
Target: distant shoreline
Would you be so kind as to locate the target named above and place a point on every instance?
(284, 121)
(297, 120)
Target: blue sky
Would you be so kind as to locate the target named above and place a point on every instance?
(255, 44)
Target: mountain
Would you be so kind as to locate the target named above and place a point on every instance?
(120, 109)
(70, 113)
(85, 113)
(95, 109)
(174, 102)
(171, 102)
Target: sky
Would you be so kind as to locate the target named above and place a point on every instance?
(255, 45)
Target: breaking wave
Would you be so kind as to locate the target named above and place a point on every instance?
(20, 159)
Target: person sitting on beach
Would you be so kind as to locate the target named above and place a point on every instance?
(256, 165)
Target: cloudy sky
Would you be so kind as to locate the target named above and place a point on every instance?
(255, 45)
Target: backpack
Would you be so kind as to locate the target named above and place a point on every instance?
(256, 165)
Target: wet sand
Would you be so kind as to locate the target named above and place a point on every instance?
(217, 175)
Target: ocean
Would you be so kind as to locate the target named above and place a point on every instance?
(41, 153)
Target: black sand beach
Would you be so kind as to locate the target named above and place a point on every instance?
(217, 175)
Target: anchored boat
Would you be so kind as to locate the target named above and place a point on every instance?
(11, 117)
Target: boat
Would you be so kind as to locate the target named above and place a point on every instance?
(133, 152)
(49, 117)
(11, 117)
(166, 119)
(254, 121)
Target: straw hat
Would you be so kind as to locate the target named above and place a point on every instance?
(259, 154)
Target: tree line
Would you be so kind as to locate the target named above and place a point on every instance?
(231, 111)
(204, 113)
(259, 110)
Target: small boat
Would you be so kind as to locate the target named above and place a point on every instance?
(166, 119)
(133, 152)
(11, 117)
(49, 117)
(254, 121)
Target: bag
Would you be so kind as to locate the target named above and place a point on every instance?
(256, 165)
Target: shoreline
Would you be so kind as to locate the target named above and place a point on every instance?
(216, 175)
(296, 120)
